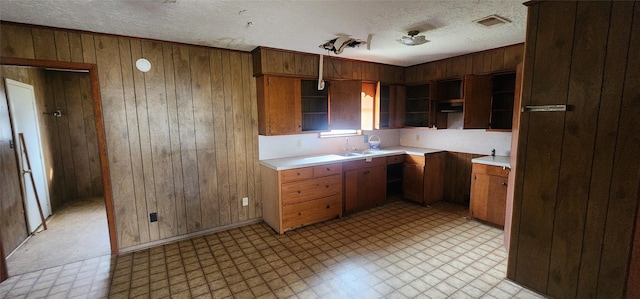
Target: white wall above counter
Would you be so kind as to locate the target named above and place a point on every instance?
(463, 141)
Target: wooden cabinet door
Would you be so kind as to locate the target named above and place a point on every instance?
(479, 195)
(397, 102)
(412, 182)
(374, 186)
(434, 169)
(497, 198)
(344, 105)
(279, 106)
(351, 190)
(477, 101)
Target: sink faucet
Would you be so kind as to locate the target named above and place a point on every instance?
(346, 145)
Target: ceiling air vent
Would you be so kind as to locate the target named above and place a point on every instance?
(492, 20)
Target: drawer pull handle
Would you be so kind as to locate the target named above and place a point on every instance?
(328, 206)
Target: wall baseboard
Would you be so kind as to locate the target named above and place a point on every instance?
(187, 236)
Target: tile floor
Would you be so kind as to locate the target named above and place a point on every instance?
(399, 250)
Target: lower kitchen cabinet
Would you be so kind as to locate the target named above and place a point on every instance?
(301, 196)
(488, 193)
(422, 177)
(365, 184)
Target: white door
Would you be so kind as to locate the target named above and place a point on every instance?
(22, 106)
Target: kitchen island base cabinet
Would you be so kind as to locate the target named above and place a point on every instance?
(488, 193)
(365, 184)
(297, 197)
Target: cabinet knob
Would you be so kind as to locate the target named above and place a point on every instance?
(326, 186)
(299, 213)
(504, 184)
(299, 191)
(298, 174)
(328, 169)
(328, 206)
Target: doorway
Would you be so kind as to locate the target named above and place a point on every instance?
(90, 71)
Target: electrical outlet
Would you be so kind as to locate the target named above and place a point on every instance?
(417, 137)
(366, 138)
(299, 143)
(245, 201)
(153, 217)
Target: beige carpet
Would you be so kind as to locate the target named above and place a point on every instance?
(78, 231)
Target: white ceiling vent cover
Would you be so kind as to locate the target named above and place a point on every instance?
(492, 20)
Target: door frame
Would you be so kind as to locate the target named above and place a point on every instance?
(102, 144)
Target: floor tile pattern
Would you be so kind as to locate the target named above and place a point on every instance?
(398, 250)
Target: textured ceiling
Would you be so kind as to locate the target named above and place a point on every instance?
(293, 25)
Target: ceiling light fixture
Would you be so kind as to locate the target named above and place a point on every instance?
(413, 39)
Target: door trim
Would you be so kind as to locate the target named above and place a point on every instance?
(102, 144)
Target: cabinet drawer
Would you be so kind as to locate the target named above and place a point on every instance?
(311, 211)
(327, 170)
(413, 159)
(490, 170)
(296, 174)
(297, 192)
(363, 163)
(395, 159)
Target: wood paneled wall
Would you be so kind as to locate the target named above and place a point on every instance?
(484, 62)
(269, 61)
(576, 191)
(457, 180)
(72, 138)
(181, 139)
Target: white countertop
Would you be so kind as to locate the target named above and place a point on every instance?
(502, 161)
(315, 160)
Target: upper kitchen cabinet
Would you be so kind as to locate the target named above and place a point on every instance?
(269, 61)
(502, 100)
(344, 104)
(315, 106)
(279, 105)
(390, 109)
(470, 95)
(417, 106)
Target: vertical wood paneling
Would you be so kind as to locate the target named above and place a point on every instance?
(608, 117)
(135, 156)
(144, 136)
(205, 139)
(75, 47)
(184, 99)
(89, 51)
(618, 233)
(173, 224)
(220, 131)
(79, 157)
(255, 209)
(203, 121)
(64, 137)
(457, 177)
(44, 43)
(497, 59)
(113, 107)
(63, 52)
(16, 41)
(57, 185)
(543, 161)
(288, 63)
(232, 204)
(239, 138)
(160, 139)
(246, 89)
(587, 63)
(91, 135)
